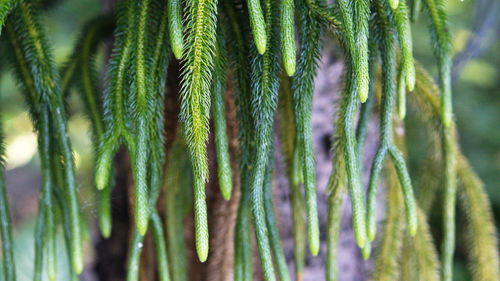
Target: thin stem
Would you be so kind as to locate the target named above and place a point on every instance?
(303, 91)
(264, 101)
(349, 150)
(272, 223)
(443, 51)
(219, 120)
(7, 245)
(243, 266)
(450, 190)
(386, 127)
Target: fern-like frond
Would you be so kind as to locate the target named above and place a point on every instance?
(115, 117)
(303, 90)
(441, 43)
(480, 226)
(81, 70)
(427, 256)
(219, 118)
(161, 57)
(402, 22)
(198, 64)
(482, 238)
(91, 37)
(420, 260)
(264, 86)
(150, 59)
(348, 147)
(5, 8)
(142, 106)
(38, 112)
(387, 146)
(354, 24)
(428, 92)
(236, 28)
(35, 53)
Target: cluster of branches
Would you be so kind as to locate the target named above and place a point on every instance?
(253, 40)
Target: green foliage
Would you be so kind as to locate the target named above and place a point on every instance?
(389, 251)
(35, 69)
(5, 7)
(264, 96)
(178, 179)
(218, 112)
(258, 25)
(243, 267)
(481, 236)
(81, 71)
(224, 45)
(287, 24)
(287, 136)
(303, 89)
(272, 223)
(8, 266)
(175, 27)
(195, 103)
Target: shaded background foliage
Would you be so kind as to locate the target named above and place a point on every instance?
(476, 73)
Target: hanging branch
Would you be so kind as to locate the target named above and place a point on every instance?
(442, 50)
(5, 8)
(336, 187)
(483, 245)
(35, 64)
(389, 251)
(243, 267)
(116, 128)
(141, 112)
(264, 87)
(348, 147)
(80, 70)
(155, 44)
(272, 223)
(7, 245)
(303, 89)
(247, 41)
(177, 205)
(354, 26)
(386, 145)
(218, 112)
(287, 136)
(195, 103)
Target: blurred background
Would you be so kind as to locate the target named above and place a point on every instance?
(476, 73)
